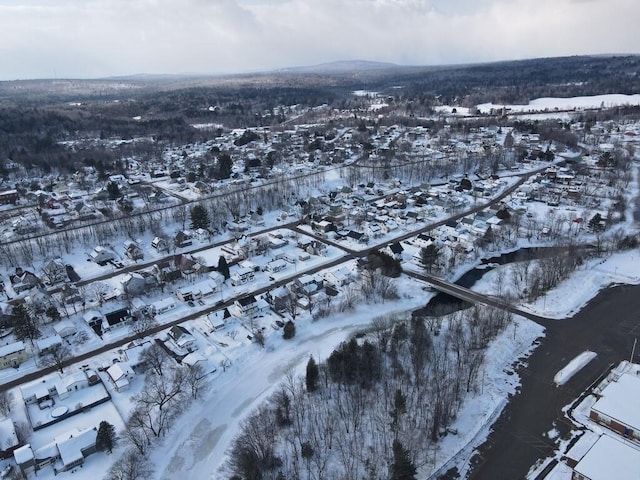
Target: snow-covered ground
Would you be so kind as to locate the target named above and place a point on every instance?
(199, 439)
(553, 103)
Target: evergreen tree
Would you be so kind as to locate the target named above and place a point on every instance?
(289, 330)
(429, 256)
(402, 467)
(199, 217)
(225, 165)
(25, 325)
(113, 190)
(312, 375)
(595, 224)
(106, 437)
(223, 267)
(53, 313)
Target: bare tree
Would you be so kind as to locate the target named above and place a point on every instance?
(131, 466)
(142, 324)
(155, 358)
(57, 356)
(6, 399)
(195, 379)
(160, 401)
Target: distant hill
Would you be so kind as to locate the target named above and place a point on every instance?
(340, 66)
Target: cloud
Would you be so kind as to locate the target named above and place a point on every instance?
(111, 37)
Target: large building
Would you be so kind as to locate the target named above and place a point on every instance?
(9, 197)
(608, 459)
(615, 410)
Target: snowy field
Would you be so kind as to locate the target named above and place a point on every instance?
(571, 103)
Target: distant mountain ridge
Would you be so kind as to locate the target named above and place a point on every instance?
(339, 66)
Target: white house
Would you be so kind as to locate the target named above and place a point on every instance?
(275, 266)
(242, 276)
(163, 305)
(101, 255)
(338, 277)
(216, 320)
(48, 344)
(120, 375)
(13, 355)
(182, 339)
(64, 328)
(247, 306)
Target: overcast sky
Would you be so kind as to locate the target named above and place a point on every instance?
(97, 38)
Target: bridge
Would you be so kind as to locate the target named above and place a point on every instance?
(474, 297)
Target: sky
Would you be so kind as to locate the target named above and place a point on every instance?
(100, 38)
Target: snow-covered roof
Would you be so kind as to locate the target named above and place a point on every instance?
(11, 348)
(118, 371)
(8, 437)
(63, 326)
(615, 400)
(71, 444)
(48, 342)
(610, 458)
(23, 454)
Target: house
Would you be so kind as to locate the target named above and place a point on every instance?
(275, 266)
(163, 305)
(101, 255)
(307, 285)
(247, 306)
(608, 458)
(395, 250)
(74, 446)
(9, 197)
(217, 319)
(182, 338)
(242, 276)
(135, 283)
(373, 230)
(24, 458)
(54, 272)
(121, 316)
(8, 438)
(202, 235)
(217, 278)
(279, 299)
(43, 390)
(188, 293)
(166, 271)
(182, 239)
(94, 319)
(337, 278)
(48, 344)
(13, 355)
(64, 328)
(613, 409)
(160, 244)
(132, 250)
(120, 375)
(23, 280)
